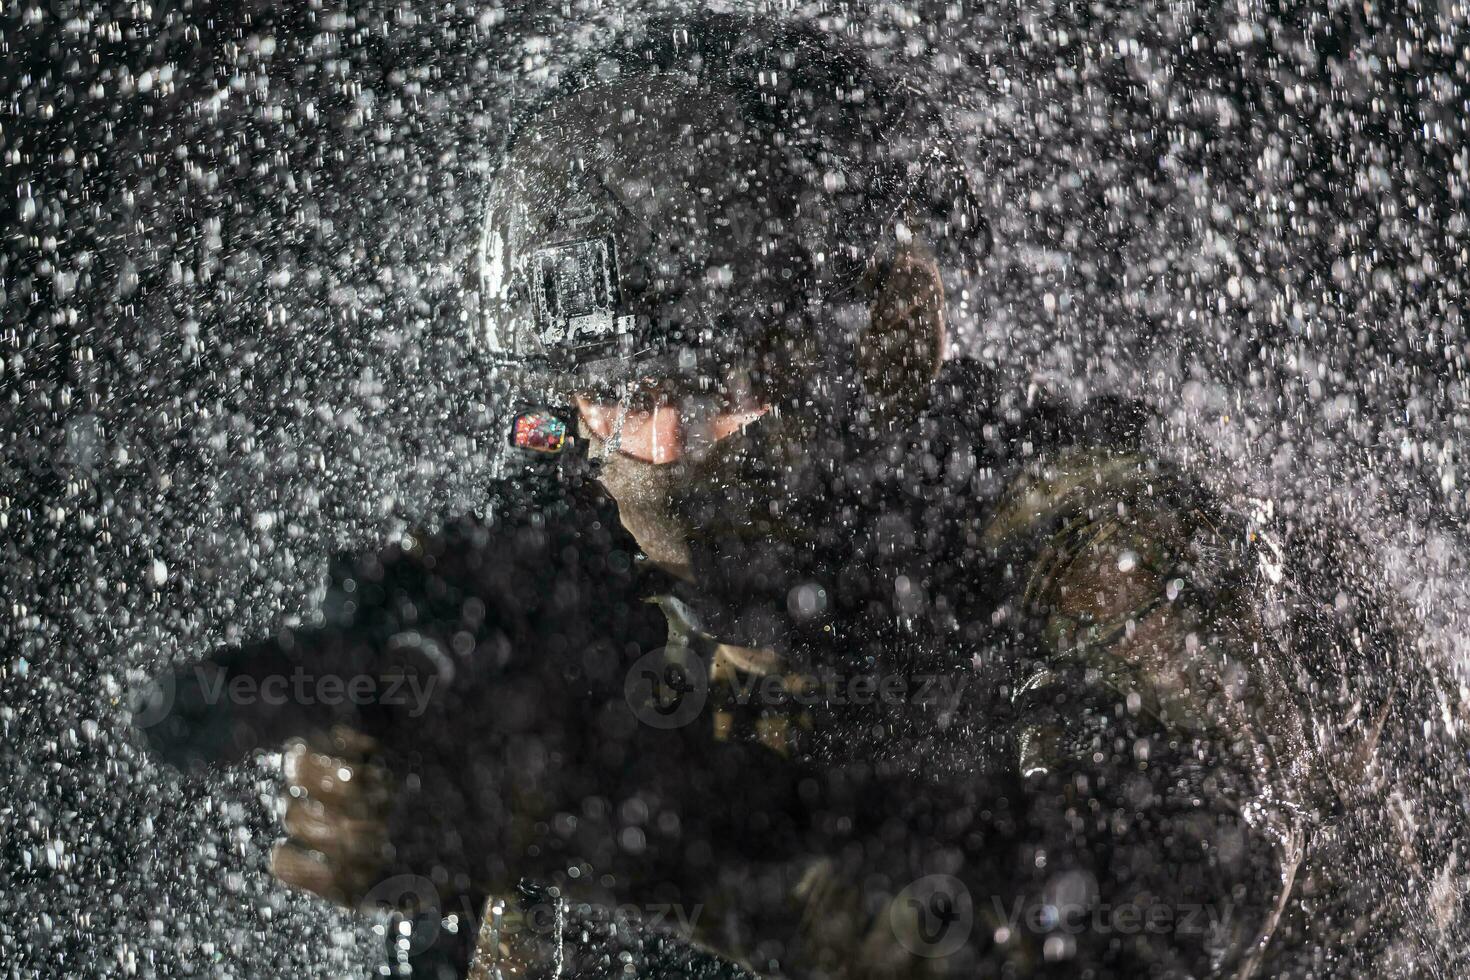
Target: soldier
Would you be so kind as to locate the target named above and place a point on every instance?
(787, 621)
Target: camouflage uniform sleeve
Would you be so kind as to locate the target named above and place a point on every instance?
(1157, 595)
(1158, 684)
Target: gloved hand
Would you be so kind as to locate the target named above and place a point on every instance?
(337, 804)
(483, 634)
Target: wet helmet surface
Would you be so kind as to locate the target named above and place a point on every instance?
(700, 194)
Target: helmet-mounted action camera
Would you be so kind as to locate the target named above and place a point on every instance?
(574, 293)
(576, 307)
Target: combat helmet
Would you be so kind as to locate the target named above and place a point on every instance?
(705, 192)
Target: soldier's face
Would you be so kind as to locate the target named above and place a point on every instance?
(658, 439)
(678, 458)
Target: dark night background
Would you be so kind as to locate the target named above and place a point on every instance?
(231, 346)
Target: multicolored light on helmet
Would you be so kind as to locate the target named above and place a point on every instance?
(539, 432)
